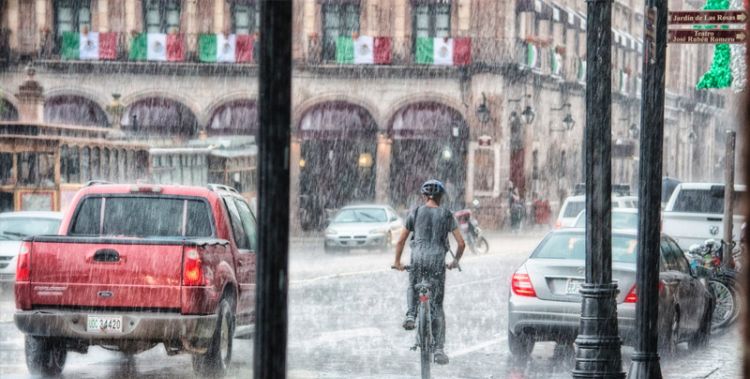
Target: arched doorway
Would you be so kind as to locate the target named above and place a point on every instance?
(429, 141)
(337, 165)
(7, 111)
(74, 110)
(158, 116)
(237, 117)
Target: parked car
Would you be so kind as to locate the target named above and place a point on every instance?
(574, 205)
(544, 303)
(139, 265)
(366, 226)
(622, 218)
(14, 227)
(695, 213)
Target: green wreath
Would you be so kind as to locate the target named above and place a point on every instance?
(720, 74)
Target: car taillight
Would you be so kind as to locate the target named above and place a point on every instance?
(23, 266)
(632, 297)
(192, 270)
(558, 224)
(521, 285)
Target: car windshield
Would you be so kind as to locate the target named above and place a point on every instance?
(620, 220)
(348, 216)
(573, 246)
(18, 228)
(574, 208)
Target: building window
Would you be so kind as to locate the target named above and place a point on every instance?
(161, 16)
(245, 16)
(72, 16)
(432, 19)
(339, 19)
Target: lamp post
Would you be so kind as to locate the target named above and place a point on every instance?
(598, 343)
(483, 111)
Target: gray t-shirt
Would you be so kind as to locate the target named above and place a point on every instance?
(431, 230)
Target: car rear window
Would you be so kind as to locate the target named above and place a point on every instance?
(573, 246)
(574, 208)
(140, 216)
(703, 201)
(620, 220)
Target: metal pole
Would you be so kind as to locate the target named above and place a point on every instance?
(645, 360)
(727, 260)
(598, 342)
(274, 103)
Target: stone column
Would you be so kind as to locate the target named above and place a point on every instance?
(383, 169)
(219, 16)
(469, 188)
(12, 9)
(30, 99)
(103, 11)
(294, 172)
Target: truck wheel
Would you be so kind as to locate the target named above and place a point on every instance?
(45, 356)
(215, 361)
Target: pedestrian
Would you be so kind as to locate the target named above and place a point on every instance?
(429, 224)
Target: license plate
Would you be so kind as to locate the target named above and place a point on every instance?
(104, 324)
(573, 287)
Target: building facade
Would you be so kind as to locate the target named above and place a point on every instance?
(507, 107)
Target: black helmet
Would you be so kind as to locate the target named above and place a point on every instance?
(433, 188)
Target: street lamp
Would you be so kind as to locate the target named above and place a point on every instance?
(568, 121)
(634, 131)
(483, 111)
(527, 113)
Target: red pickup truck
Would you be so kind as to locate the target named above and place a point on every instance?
(138, 265)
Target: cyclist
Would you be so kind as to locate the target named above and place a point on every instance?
(431, 225)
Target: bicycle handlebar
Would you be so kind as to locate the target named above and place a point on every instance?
(410, 268)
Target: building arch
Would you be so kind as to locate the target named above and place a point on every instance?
(338, 158)
(304, 107)
(130, 98)
(430, 141)
(161, 116)
(435, 98)
(72, 108)
(233, 117)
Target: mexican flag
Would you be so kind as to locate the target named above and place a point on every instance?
(88, 46)
(363, 50)
(581, 75)
(555, 62)
(444, 51)
(157, 47)
(532, 56)
(230, 48)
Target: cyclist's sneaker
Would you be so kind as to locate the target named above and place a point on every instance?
(409, 323)
(440, 357)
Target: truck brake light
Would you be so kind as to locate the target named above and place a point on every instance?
(23, 266)
(145, 189)
(192, 270)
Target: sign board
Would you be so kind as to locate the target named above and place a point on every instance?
(707, 36)
(707, 17)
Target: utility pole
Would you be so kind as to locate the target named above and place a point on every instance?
(598, 343)
(274, 103)
(645, 360)
(727, 260)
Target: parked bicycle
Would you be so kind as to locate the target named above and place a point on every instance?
(425, 339)
(706, 260)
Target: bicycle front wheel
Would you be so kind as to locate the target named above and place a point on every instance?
(425, 339)
(725, 309)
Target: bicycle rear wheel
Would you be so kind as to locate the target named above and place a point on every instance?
(725, 309)
(425, 339)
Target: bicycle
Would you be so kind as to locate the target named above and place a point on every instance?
(721, 281)
(424, 338)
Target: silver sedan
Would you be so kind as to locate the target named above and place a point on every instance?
(545, 304)
(367, 226)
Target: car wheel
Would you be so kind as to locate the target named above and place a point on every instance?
(215, 361)
(702, 335)
(45, 356)
(520, 345)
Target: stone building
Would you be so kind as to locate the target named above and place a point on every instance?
(368, 132)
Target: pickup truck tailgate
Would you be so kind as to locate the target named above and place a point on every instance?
(91, 272)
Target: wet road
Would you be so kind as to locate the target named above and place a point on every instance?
(345, 318)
